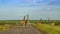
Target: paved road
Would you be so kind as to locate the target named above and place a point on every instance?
(28, 30)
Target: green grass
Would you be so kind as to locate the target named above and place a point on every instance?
(44, 26)
(4, 27)
(48, 28)
(2, 22)
(46, 22)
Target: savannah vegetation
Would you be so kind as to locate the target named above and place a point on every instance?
(46, 27)
(8, 24)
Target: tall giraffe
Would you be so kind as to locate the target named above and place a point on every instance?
(22, 22)
(26, 21)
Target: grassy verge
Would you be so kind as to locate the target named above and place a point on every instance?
(48, 29)
(8, 24)
(4, 27)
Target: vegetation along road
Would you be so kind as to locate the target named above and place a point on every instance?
(19, 30)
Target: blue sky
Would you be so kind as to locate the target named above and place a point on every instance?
(16, 9)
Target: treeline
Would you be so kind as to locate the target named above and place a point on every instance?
(12, 22)
(57, 22)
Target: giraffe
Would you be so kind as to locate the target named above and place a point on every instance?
(53, 22)
(24, 21)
